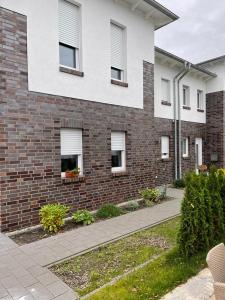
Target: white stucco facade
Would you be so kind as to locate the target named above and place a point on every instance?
(216, 84)
(164, 111)
(43, 50)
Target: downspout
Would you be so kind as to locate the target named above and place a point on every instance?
(187, 69)
(175, 119)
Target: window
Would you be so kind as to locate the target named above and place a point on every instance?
(184, 147)
(118, 150)
(165, 147)
(186, 96)
(165, 87)
(200, 104)
(117, 52)
(71, 150)
(69, 34)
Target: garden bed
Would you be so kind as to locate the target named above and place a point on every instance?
(92, 270)
(36, 234)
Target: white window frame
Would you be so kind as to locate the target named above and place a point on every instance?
(168, 97)
(123, 151)
(186, 141)
(165, 143)
(200, 99)
(123, 69)
(186, 98)
(78, 50)
(78, 153)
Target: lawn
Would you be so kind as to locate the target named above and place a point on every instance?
(92, 270)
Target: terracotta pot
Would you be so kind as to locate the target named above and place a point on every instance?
(70, 174)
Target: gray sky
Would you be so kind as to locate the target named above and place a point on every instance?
(199, 34)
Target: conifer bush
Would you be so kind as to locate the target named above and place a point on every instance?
(203, 207)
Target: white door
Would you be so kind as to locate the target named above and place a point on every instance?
(198, 152)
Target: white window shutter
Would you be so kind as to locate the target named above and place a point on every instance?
(118, 141)
(165, 146)
(165, 86)
(69, 24)
(117, 43)
(71, 141)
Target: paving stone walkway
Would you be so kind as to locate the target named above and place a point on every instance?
(199, 287)
(62, 246)
(23, 275)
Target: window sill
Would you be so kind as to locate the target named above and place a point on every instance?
(200, 110)
(73, 180)
(119, 83)
(119, 174)
(71, 71)
(187, 107)
(165, 159)
(185, 157)
(166, 103)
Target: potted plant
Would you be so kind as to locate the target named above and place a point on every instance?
(74, 173)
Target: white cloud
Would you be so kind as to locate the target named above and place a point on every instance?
(199, 33)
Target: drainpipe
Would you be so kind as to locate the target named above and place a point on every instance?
(175, 118)
(187, 69)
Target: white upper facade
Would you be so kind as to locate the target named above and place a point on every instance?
(138, 20)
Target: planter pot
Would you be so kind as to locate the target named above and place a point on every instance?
(71, 174)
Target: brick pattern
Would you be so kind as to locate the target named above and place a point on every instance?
(165, 168)
(30, 140)
(30, 156)
(215, 115)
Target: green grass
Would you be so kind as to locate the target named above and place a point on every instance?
(154, 280)
(92, 270)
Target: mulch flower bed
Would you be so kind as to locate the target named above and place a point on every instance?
(37, 234)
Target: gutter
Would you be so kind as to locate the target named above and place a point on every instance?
(187, 68)
(177, 108)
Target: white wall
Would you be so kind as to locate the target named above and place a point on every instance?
(163, 111)
(43, 52)
(216, 84)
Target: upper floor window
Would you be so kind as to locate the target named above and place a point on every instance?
(186, 96)
(71, 150)
(118, 53)
(165, 147)
(200, 103)
(69, 34)
(165, 88)
(118, 151)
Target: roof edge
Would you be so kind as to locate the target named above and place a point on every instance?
(163, 9)
(181, 60)
(211, 60)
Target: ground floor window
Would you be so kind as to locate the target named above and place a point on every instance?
(71, 151)
(118, 151)
(184, 147)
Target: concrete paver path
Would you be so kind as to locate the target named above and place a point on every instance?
(23, 275)
(62, 246)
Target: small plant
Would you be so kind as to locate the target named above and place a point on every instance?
(52, 217)
(150, 196)
(83, 216)
(109, 211)
(74, 173)
(132, 205)
(179, 183)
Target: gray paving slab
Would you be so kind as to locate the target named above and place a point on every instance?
(23, 275)
(65, 245)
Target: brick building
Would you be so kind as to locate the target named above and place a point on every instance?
(82, 88)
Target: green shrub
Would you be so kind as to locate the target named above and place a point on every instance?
(109, 211)
(179, 183)
(132, 205)
(52, 217)
(214, 187)
(150, 196)
(83, 216)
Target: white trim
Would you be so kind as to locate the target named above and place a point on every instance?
(118, 143)
(165, 147)
(186, 154)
